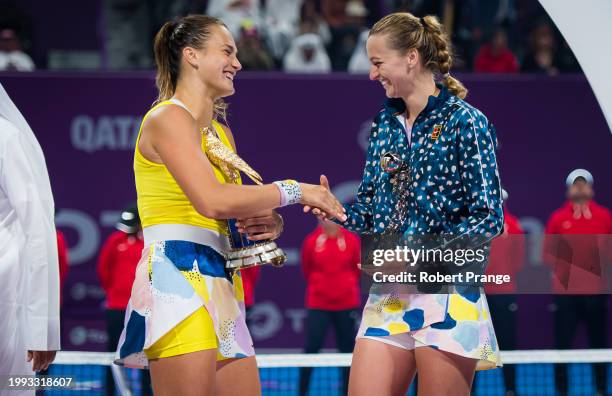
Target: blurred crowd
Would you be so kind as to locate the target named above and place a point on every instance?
(315, 36)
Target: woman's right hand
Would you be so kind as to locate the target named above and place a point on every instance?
(320, 197)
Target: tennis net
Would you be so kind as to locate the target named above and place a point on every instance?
(280, 373)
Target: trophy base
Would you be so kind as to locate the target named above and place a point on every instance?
(259, 254)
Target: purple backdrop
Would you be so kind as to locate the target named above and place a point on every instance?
(294, 127)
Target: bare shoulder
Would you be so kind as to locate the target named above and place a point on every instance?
(169, 122)
(165, 126)
(229, 134)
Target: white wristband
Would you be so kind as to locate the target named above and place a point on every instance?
(290, 191)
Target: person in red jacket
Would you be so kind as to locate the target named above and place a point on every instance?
(507, 257)
(116, 269)
(571, 246)
(330, 263)
(495, 56)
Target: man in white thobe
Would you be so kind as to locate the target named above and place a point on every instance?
(29, 270)
(307, 54)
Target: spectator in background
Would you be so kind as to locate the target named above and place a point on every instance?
(356, 13)
(571, 246)
(542, 56)
(330, 258)
(507, 257)
(495, 56)
(307, 55)
(116, 269)
(15, 37)
(281, 21)
(359, 62)
(334, 12)
(567, 60)
(127, 41)
(130, 26)
(62, 253)
(250, 277)
(529, 11)
(486, 16)
(233, 12)
(12, 56)
(311, 21)
(346, 19)
(471, 22)
(251, 50)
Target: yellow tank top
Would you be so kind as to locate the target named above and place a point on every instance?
(160, 199)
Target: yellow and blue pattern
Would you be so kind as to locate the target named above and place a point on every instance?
(174, 279)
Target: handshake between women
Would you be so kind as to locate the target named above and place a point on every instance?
(321, 201)
(269, 225)
(320, 211)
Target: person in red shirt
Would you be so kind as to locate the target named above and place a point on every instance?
(62, 252)
(330, 263)
(250, 276)
(507, 257)
(116, 270)
(571, 246)
(495, 56)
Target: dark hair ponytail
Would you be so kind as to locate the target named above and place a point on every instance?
(167, 62)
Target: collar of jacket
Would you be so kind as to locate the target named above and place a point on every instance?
(396, 106)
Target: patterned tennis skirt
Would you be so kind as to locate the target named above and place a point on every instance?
(174, 279)
(458, 323)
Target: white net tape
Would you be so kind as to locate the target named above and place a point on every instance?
(344, 359)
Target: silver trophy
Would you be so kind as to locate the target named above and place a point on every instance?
(399, 171)
(245, 253)
(392, 164)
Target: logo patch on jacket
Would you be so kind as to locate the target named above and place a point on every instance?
(437, 129)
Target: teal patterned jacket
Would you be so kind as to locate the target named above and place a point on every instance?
(455, 188)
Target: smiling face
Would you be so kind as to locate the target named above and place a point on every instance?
(217, 63)
(392, 69)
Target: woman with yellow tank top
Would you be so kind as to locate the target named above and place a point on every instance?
(185, 320)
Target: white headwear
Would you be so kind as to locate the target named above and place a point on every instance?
(576, 173)
(359, 62)
(16, 59)
(295, 62)
(232, 13)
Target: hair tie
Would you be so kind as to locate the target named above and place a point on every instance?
(446, 75)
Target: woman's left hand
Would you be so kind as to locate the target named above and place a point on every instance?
(263, 225)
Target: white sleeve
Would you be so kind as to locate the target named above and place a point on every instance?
(29, 194)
